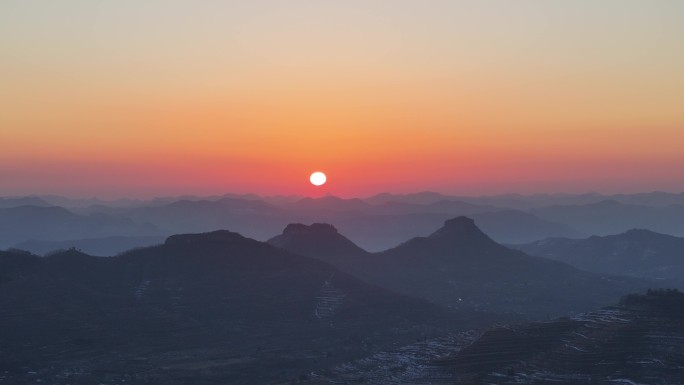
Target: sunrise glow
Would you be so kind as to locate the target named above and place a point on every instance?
(153, 98)
(317, 178)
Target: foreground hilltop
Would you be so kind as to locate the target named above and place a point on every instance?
(460, 266)
(200, 308)
(638, 341)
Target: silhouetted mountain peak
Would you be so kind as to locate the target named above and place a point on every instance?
(459, 227)
(644, 236)
(641, 232)
(69, 253)
(318, 240)
(460, 222)
(607, 203)
(219, 236)
(294, 229)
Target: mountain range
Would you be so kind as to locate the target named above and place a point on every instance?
(201, 308)
(309, 304)
(103, 247)
(54, 223)
(375, 223)
(461, 267)
(637, 252)
(611, 217)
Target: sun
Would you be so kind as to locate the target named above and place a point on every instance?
(317, 178)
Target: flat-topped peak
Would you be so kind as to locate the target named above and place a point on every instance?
(219, 236)
(318, 240)
(314, 229)
(458, 227)
(460, 223)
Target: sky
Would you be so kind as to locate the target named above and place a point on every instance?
(148, 98)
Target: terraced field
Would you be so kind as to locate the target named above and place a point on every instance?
(613, 346)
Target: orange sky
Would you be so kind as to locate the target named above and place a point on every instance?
(170, 97)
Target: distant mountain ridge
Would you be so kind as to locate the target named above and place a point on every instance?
(375, 223)
(610, 217)
(107, 246)
(637, 252)
(529, 201)
(52, 223)
(374, 227)
(22, 201)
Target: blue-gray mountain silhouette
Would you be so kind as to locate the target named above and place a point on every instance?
(460, 266)
(637, 252)
(200, 308)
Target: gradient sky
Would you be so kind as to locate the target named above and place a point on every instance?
(143, 98)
